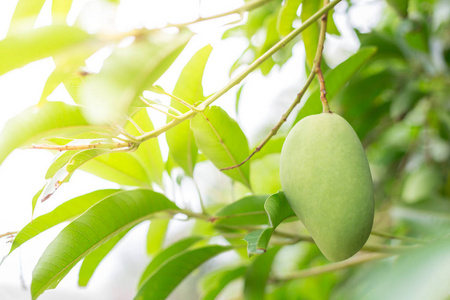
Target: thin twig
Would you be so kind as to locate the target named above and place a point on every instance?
(8, 233)
(99, 145)
(181, 101)
(315, 69)
(396, 237)
(318, 60)
(357, 260)
(163, 105)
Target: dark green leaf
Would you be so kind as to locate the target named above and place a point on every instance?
(37, 122)
(222, 141)
(215, 282)
(64, 212)
(111, 216)
(400, 6)
(189, 88)
(107, 96)
(93, 259)
(162, 282)
(335, 80)
(166, 255)
(25, 47)
(257, 275)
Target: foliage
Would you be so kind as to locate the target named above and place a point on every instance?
(393, 91)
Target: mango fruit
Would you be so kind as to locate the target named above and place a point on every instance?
(326, 178)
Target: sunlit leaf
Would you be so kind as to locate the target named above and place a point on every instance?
(111, 216)
(93, 259)
(25, 47)
(107, 96)
(149, 152)
(189, 88)
(265, 174)
(335, 79)
(121, 167)
(331, 25)
(35, 199)
(37, 122)
(215, 282)
(257, 275)
(246, 211)
(156, 235)
(166, 255)
(61, 8)
(222, 141)
(25, 15)
(272, 37)
(238, 98)
(64, 212)
(287, 15)
(162, 282)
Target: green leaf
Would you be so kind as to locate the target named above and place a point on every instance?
(25, 15)
(149, 152)
(111, 216)
(37, 122)
(35, 199)
(265, 174)
(272, 37)
(215, 282)
(400, 7)
(31, 45)
(121, 167)
(61, 8)
(257, 275)
(162, 282)
(246, 211)
(64, 212)
(108, 95)
(238, 98)
(278, 210)
(166, 255)
(331, 26)
(156, 235)
(310, 35)
(274, 145)
(93, 259)
(287, 15)
(189, 88)
(222, 141)
(335, 79)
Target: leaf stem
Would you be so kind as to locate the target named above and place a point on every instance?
(8, 233)
(397, 237)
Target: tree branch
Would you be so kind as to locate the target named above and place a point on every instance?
(315, 69)
(236, 80)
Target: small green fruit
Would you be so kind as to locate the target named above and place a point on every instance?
(326, 179)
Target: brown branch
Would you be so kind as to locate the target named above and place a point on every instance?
(318, 60)
(11, 233)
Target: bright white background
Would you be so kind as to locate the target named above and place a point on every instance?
(22, 174)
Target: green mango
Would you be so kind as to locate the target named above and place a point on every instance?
(326, 179)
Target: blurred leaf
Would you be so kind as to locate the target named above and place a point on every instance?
(287, 15)
(277, 209)
(28, 46)
(60, 9)
(64, 212)
(107, 96)
(37, 122)
(331, 25)
(400, 6)
(214, 282)
(167, 254)
(35, 199)
(121, 167)
(310, 35)
(111, 216)
(156, 235)
(257, 275)
(25, 15)
(385, 45)
(189, 88)
(421, 184)
(265, 174)
(238, 98)
(417, 35)
(246, 211)
(167, 277)
(149, 152)
(222, 141)
(272, 38)
(93, 259)
(335, 79)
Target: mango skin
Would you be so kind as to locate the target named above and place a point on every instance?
(326, 179)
